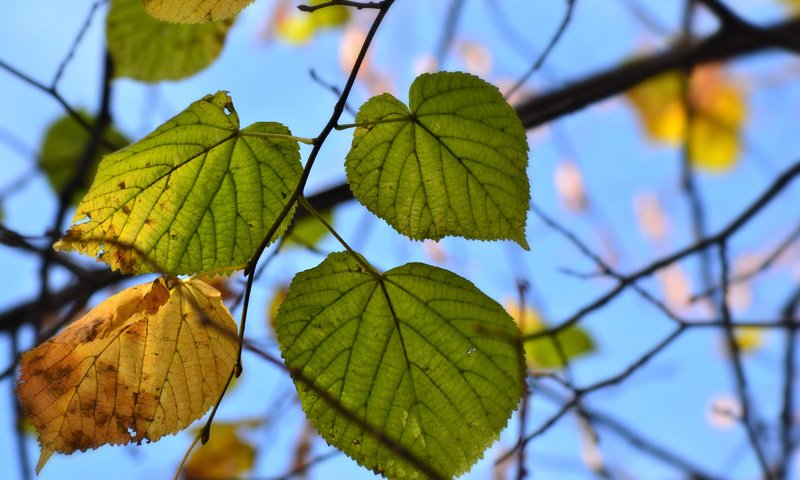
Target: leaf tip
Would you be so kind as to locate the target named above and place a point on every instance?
(44, 456)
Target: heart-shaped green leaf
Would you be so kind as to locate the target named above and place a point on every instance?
(452, 163)
(419, 354)
(197, 195)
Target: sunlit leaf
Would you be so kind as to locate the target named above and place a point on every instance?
(65, 144)
(419, 353)
(279, 295)
(194, 11)
(794, 5)
(150, 50)
(225, 456)
(543, 352)
(296, 28)
(145, 363)
(308, 231)
(748, 340)
(719, 111)
(196, 195)
(454, 163)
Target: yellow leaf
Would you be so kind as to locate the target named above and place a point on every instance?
(275, 305)
(225, 455)
(297, 28)
(792, 4)
(749, 339)
(719, 112)
(145, 363)
(194, 11)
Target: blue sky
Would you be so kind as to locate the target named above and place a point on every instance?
(668, 400)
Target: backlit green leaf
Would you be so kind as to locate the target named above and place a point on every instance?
(454, 163)
(308, 231)
(196, 195)
(418, 353)
(194, 11)
(64, 146)
(543, 352)
(151, 50)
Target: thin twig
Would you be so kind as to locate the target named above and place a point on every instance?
(736, 362)
(71, 53)
(777, 186)
(787, 420)
(546, 52)
(344, 3)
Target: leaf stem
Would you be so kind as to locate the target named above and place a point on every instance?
(313, 211)
(186, 456)
(407, 118)
(307, 141)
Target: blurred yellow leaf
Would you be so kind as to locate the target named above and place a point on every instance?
(145, 363)
(794, 5)
(225, 455)
(275, 304)
(543, 352)
(296, 28)
(719, 112)
(749, 339)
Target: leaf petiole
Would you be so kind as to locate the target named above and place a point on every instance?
(404, 118)
(307, 141)
(313, 211)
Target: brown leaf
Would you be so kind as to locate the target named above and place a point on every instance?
(145, 363)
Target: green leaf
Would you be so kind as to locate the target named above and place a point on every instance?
(542, 352)
(454, 163)
(194, 11)
(64, 146)
(197, 195)
(418, 353)
(308, 231)
(150, 50)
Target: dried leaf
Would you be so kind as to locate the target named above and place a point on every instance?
(145, 363)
